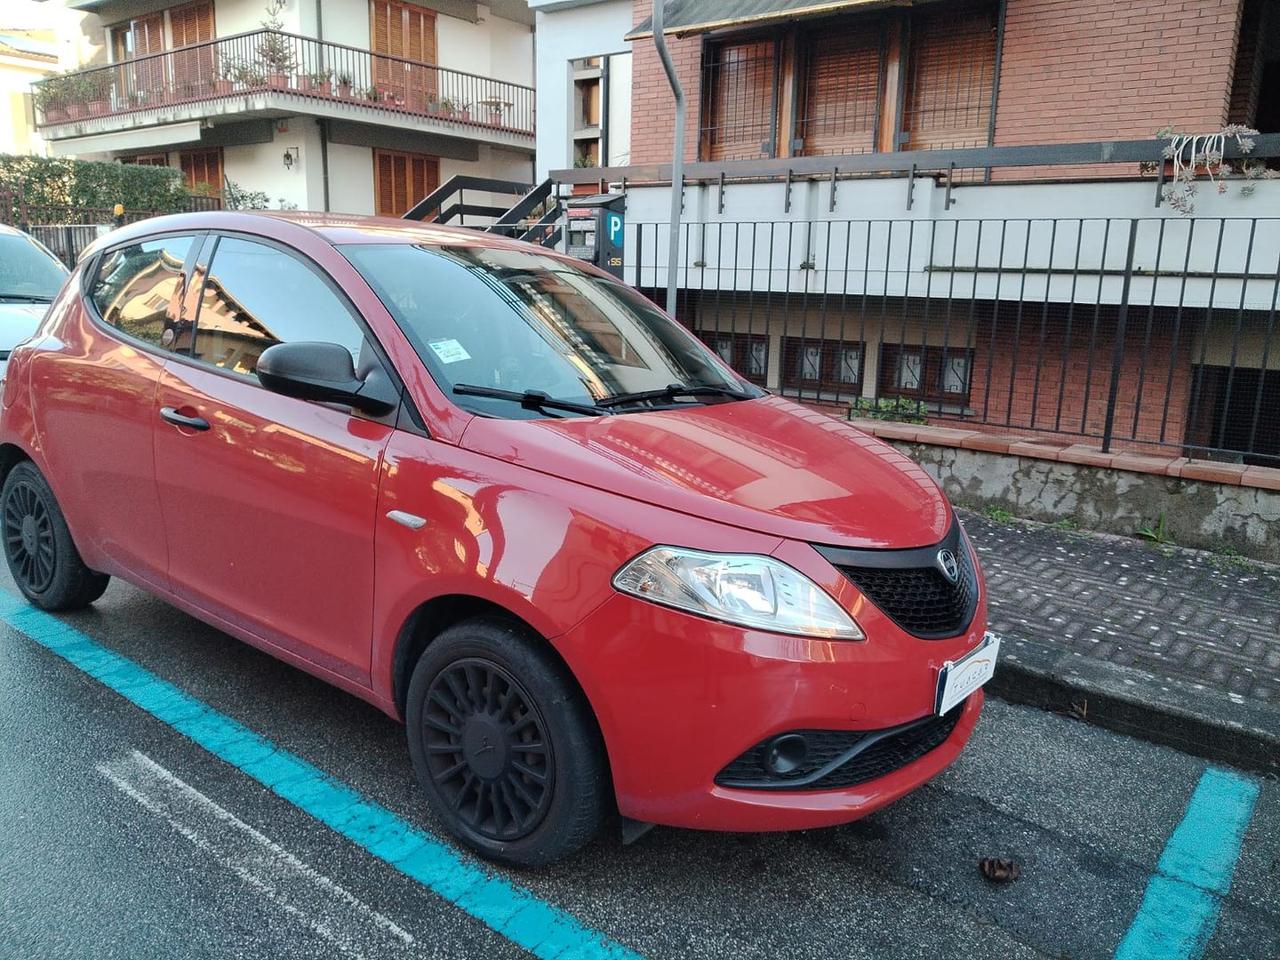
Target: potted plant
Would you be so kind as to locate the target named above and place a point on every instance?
(225, 81)
(344, 85)
(318, 82)
(464, 112)
(51, 98)
(496, 110)
(275, 50)
(372, 93)
(249, 77)
(447, 107)
(96, 94)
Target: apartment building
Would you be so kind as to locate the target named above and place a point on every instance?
(353, 106)
(839, 244)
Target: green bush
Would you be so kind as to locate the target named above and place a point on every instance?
(63, 182)
(901, 409)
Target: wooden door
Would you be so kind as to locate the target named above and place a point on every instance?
(400, 180)
(193, 70)
(409, 32)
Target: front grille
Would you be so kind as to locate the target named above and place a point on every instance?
(838, 759)
(910, 588)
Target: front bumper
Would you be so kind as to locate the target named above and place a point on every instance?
(679, 697)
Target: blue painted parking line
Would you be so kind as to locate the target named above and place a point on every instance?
(515, 913)
(1183, 898)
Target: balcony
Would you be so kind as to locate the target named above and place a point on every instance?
(270, 73)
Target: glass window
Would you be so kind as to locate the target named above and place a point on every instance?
(908, 370)
(27, 270)
(257, 295)
(850, 369)
(137, 290)
(955, 373)
(517, 321)
(810, 367)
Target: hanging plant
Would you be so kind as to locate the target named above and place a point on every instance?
(1203, 155)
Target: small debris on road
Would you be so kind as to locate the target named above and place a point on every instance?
(999, 870)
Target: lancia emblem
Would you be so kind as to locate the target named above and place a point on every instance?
(949, 566)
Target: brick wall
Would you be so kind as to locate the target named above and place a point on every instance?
(1078, 70)
(652, 109)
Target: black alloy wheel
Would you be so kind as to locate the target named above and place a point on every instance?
(487, 749)
(29, 538)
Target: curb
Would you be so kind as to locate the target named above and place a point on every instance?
(1174, 713)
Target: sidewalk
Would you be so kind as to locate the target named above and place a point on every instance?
(1172, 645)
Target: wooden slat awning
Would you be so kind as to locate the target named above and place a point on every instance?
(685, 17)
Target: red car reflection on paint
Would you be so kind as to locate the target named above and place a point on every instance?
(502, 496)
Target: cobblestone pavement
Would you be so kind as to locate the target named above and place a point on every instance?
(1176, 613)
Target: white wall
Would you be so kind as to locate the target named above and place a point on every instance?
(350, 178)
(565, 34)
(493, 47)
(260, 166)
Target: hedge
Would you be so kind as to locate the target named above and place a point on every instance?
(63, 182)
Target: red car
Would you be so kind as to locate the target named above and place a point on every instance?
(502, 496)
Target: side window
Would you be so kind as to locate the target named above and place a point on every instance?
(138, 287)
(256, 295)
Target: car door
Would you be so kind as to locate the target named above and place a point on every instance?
(96, 410)
(268, 500)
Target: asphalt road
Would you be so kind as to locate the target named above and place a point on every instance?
(120, 837)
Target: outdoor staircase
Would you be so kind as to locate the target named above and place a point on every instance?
(533, 217)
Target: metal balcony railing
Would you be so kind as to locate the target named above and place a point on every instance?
(285, 63)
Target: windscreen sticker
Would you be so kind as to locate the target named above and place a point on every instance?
(449, 351)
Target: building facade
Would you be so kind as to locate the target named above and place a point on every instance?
(839, 245)
(352, 106)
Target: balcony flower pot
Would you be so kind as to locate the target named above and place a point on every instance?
(224, 87)
(75, 110)
(345, 90)
(97, 107)
(495, 116)
(278, 81)
(55, 115)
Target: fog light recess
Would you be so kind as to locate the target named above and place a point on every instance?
(785, 753)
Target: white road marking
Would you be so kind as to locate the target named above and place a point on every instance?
(329, 910)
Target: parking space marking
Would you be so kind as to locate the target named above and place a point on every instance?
(514, 912)
(1183, 898)
(328, 909)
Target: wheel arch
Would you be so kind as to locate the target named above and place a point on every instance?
(432, 617)
(10, 456)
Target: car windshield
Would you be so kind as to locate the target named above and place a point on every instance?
(27, 272)
(502, 323)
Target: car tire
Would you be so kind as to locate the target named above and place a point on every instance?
(504, 744)
(42, 557)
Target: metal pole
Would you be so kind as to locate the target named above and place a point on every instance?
(677, 158)
(1117, 350)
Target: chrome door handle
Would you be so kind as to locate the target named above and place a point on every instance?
(171, 415)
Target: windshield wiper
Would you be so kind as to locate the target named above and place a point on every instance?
(26, 297)
(529, 399)
(672, 391)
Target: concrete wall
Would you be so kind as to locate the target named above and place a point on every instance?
(1209, 516)
(568, 32)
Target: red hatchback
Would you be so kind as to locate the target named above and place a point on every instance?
(504, 497)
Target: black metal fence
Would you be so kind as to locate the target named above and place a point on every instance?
(1153, 333)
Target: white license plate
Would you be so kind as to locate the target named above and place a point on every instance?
(959, 678)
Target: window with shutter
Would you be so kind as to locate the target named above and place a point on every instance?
(202, 170)
(740, 100)
(950, 77)
(841, 93)
(401, 180)
(829, 365)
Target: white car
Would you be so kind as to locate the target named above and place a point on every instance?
(30, 277)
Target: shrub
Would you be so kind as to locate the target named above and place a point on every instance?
(902, 409)
(63, 182)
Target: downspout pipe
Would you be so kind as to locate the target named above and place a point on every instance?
(677, 158)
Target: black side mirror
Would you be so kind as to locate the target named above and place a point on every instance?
(323, 372)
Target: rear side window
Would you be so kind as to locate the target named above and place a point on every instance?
(137, 290)
(257, 295)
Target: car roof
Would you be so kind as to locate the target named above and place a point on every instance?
(334, 228)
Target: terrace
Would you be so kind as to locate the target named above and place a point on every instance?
(266, 73)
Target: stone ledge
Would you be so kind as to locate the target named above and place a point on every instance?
(1171, 465)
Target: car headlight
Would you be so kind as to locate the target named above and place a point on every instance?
(743, 589)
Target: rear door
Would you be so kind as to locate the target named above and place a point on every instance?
(97, 390)
(269, 501)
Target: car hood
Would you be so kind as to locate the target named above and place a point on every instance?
(768, 465)
(19, 321)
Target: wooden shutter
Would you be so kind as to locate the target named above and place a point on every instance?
(400, 180)
(841, 89)
(739, 100)
(408, 32)
(147, 34)
(193, 72)
(202, 170)
(950, 77)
